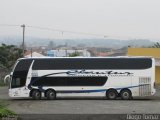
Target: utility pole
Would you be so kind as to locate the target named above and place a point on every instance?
(23, 26)
(31, 52)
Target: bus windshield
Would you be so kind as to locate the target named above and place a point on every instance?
(20, 73)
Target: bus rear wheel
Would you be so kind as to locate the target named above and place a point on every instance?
(126, 94)
(51, 94)
(36, 95)
(111, 94)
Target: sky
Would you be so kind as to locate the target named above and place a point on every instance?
(125, 19)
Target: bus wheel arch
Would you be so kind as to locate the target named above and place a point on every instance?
(35, 94)
(111, 94)
(30, 93)
(50, 94)
(126, 94)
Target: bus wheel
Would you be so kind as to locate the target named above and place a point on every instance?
(126, 94)
(111, 94)
(51, 94)
(36, 95)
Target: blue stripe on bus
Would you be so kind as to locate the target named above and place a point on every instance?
(99, 90)
(81, 91)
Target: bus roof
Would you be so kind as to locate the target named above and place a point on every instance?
(87, 57)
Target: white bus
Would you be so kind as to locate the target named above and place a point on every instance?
(110, 77)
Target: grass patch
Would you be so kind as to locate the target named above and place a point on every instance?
(4, 112)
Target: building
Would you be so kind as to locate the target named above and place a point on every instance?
(66, 53)
(154, 52)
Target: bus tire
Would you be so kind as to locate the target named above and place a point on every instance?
(111, 94)
(126, 94)
(36, 94)
(50, 94)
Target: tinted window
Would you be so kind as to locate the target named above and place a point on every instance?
(69, 81)
(17, 82)
(20, 73)
(92, 63)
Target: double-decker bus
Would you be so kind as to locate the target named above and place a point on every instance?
(110, 77)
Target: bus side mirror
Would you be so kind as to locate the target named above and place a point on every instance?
(11, 73)
(5, 78)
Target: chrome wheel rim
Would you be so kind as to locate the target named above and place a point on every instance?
(126, 95)
(37, 94)
(112, 95)
(51, 94)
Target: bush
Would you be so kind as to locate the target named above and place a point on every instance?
(2, 83)
(74, 54)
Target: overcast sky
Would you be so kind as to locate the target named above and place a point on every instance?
(114, 18)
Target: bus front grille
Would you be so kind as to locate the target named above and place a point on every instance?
(144, 86)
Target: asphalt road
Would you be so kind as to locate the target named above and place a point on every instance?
(82, 106)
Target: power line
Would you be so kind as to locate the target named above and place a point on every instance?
(65, 31)
(9, 25)
(57, 30)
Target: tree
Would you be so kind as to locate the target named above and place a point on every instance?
(74, 54)
(156, 45)
(8, 55)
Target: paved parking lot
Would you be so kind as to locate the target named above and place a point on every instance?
(82, 106)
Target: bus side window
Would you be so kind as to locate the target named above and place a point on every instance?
(16, 82)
